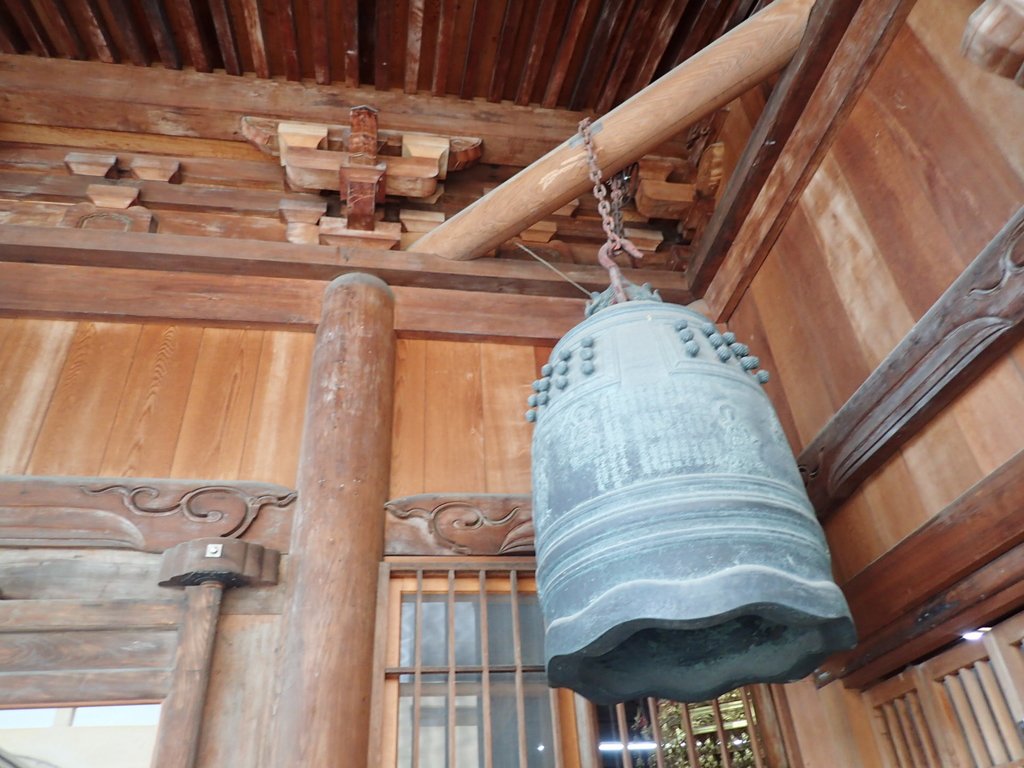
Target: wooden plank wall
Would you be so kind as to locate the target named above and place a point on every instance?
(919, 180)
(148, 400)
(459, 417)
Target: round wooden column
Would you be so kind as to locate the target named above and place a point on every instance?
(322, 715)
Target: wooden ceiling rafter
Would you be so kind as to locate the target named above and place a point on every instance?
(566, 50)
(160, 28)
(29, 26)
(589, 54)
(125, 37)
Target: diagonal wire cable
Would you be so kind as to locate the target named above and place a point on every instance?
(556, 270)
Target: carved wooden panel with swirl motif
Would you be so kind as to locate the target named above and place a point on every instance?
(459, 524)
(142, 514)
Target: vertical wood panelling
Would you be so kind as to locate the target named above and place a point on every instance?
(408, 443)
(77, 425)
(151, 400)
(506, 372)
(453, 458)
(32, 354)
(274, 433)
(459, 417)
(994, 101)
(240, 695)
(832, 726)
(145, 429)
(915, 185)
(212, 435)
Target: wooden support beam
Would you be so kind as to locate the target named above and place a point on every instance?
(748, 54)
(992, 592)
(931, 586)
(971, 325)
(251, 10)
(826, 26)
(933, 558)
(258, 258)
(868, 37)
(566, 49)
(185, 103)
(339, 529)
(361, 182)
(123, 295)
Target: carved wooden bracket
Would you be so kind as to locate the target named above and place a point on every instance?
(459, 524)
(142, 514)
(462, 151)
(91, 164)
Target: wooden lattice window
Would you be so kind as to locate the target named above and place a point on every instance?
(461, 670)
(962, 709)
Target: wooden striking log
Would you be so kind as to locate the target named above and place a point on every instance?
(714, 77)
(326, 670)
(971, 325)
(204, 567)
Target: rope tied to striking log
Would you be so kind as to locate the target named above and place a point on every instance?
(616, 242)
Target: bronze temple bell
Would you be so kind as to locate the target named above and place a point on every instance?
(677, 553)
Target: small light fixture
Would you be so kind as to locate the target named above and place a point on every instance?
(633, 746)
(976, 634)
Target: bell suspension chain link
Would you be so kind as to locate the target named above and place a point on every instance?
(616, 243)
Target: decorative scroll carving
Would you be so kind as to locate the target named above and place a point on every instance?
(968, 328)
(436, 524)
(147, 515)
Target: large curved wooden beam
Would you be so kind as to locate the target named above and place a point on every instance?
(742, 58)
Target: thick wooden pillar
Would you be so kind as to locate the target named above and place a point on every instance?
(322, 714)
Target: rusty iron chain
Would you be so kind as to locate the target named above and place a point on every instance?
(616, 243)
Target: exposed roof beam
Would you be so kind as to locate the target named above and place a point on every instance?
(747, 55)
(183, 103)
(826, 25)
(309, 262)
(141, 295)
(753, 218)
(970, 326)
